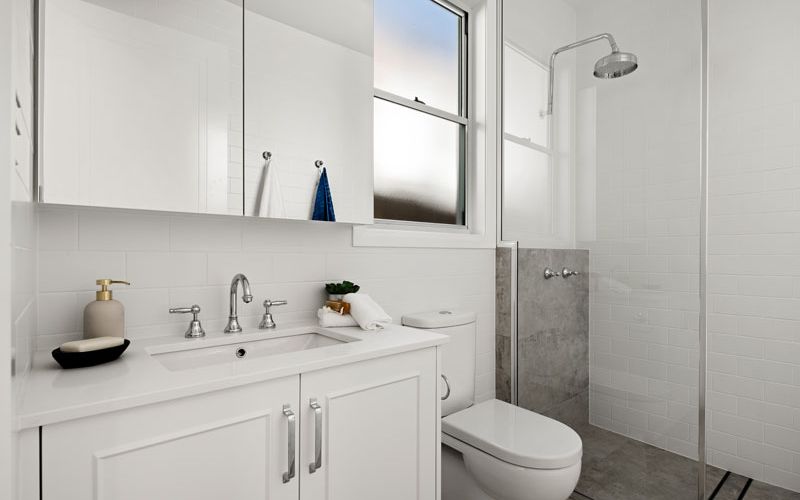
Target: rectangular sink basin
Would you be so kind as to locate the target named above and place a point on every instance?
(238, 348)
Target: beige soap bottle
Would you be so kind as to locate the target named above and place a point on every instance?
(104, 317)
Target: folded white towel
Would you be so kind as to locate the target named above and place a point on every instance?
(367, 312)
(328, 318)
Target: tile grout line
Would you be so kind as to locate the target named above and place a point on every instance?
(719, 485)
(745, 488)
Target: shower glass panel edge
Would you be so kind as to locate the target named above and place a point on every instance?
(703, 271)
(513, 246)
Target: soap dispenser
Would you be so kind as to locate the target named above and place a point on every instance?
(104, 317)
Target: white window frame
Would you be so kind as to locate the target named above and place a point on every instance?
(481, 106)
(525, 141)
(546, 149)
(462, 118)
(560, 177)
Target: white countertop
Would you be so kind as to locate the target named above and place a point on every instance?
(52, 394)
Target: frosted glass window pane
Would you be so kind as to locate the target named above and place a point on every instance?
(417, 166)
(417, 47)
(525, 98)
(526, 192)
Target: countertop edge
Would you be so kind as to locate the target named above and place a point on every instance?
(48, 417)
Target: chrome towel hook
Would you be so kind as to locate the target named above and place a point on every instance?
(319, 163)
(266, 155)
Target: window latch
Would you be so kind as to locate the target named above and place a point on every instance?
(417, 99)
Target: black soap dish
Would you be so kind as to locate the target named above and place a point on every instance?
(89, 358)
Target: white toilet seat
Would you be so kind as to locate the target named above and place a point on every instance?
(493, 479)
(515, 435)
(514, 454)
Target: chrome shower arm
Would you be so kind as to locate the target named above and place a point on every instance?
(579, 43)
(586, 41)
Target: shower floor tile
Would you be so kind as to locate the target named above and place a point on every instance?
(619, 468)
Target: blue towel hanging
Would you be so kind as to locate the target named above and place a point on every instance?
(323, 203)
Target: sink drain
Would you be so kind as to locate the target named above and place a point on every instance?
(241, 352)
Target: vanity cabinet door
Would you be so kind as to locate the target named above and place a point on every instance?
(231, 443)
(378, 429)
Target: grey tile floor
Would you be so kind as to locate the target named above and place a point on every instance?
(619, 468)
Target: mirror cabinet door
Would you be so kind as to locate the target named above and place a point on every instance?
(141, 104)
(309, 106)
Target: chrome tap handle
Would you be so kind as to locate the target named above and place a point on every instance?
(549, 273)
(269, 303)
(291, 420)
(195, 329)
(566, 273)
(195, 309)
(267, 321)
(317, 463)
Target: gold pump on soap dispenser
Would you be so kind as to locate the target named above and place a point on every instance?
(104, 317)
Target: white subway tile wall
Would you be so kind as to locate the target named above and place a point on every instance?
(754, 241)
(180, 260)
(644, 303)
(645, 132)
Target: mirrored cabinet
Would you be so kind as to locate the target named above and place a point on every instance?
(207, 106)
(308, 106)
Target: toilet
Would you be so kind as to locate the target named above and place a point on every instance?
(494, 450)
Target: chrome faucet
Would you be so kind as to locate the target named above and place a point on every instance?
(233, 317)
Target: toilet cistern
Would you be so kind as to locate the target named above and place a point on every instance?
(233, 317)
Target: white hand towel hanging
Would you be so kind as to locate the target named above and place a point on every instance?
(270, 195)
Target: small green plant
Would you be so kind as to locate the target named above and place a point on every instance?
(342, 288)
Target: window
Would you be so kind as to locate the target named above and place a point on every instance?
(528, 177)
(420, 111)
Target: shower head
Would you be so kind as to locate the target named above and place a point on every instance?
(615, 65)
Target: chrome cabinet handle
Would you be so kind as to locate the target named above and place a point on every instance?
(446, 383)
(291, 421)
(317, 463)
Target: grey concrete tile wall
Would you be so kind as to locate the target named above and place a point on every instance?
(553, 344)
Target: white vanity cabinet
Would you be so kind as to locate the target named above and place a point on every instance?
(378, 432)
(374, 423)
(225, 444)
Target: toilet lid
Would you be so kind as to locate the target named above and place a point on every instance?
(515, 435)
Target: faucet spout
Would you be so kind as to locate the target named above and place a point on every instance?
(233, 317)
